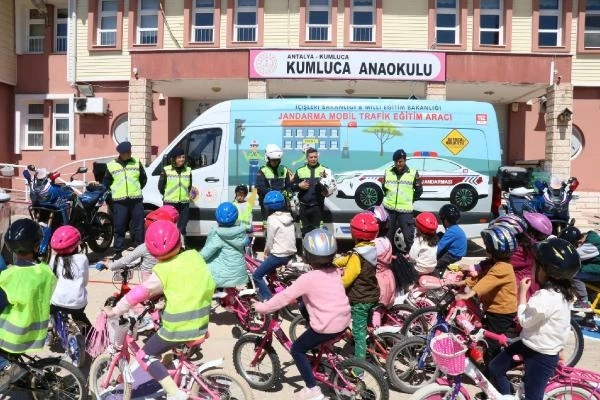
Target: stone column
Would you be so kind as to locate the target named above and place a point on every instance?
(257, 89)
(558, 132)
(140, 119)
(435, 91)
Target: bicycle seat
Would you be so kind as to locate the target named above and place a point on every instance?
(198, 341)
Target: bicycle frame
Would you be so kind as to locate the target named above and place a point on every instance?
(595, 305)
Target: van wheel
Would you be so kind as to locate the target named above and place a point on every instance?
(464, 197)
(368, 194)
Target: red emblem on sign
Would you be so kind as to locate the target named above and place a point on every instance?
(481, 119)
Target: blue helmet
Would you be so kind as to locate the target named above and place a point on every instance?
(499, 241)
(226, 214)
(274, 201)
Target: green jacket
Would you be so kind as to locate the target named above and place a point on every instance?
(593, 265)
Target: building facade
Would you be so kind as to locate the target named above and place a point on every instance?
(90, 73)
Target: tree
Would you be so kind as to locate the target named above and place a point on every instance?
(383, 131)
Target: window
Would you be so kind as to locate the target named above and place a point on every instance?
(287, 132)
(363, 21)
(334, 145)
(287, 144)
(592, 24)
(550, 23)
(435, 164)
(35, 125)
(203, 148)
(299, 145)
(299, 133)
(322, 133)
(35, 31)
(490, 23)
(60, 30)
(318, 21)
(245, 24)
(322, 144)
(447, 22)
(310, 133)
(334, 133)
(60, 125)
(107, 25)
(204, 20)
(147, 24)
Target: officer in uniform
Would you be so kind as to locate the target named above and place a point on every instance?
(272, 176)
(401, 186)
(174, 184)
(125, 176)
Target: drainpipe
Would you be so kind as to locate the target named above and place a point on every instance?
(72, 47)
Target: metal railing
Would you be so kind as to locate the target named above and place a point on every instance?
(35, 44)
(61, 44)
(245, 33)
(317, 32)
(147, 35)
(362, 33)
(107, 37)
(203, 34)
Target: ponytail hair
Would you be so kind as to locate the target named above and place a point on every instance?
(67, 271)
(432, 240)
(563, 286)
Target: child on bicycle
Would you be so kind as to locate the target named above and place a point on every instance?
(453, 243)
(280, 246)
(359, 277)
(326, 303)
(384, 274)
(423, 251)
(72, 270)
(25, 291)
(244, 207)
(224, 248)
(543, 318)
(185, 281)
(539, 228)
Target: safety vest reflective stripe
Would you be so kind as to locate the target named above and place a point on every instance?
(176, 189)
(304, 172)
(36, 344)
(183, 336)
(268, 172)
(184, 316)
(22, 330)
(399, 191)
(126, 180)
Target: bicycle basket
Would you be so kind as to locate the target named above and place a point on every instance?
(448, 352)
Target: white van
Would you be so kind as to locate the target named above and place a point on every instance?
(453, 144)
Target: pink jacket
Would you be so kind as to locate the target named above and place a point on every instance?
(324, 296)
(523, 263)
(384, 274)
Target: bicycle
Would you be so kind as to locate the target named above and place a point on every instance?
(329, 367)
(69, 333)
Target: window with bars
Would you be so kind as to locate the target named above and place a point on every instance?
(246, 21)
(60, 30)
(550, 23)
(203, 28)
(107, 23)
(318, 21)
(491, 24)
(34, 130)
(60, 125)
(147, 24)
(36, 24)
(362, 28)
(447, 25)
(592, 24)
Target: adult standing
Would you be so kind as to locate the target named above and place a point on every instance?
(174, 184)
(253, 159)
(311, 194)
(401, 186)
(125, 176)
(272, 176)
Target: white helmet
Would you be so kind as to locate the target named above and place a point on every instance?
(273, 152)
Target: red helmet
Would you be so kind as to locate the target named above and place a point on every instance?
(364, 226)
(427, 223)
(65, 240)
(163, 240)
(164, 213)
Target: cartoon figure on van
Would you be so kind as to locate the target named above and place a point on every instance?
(454, 145)
(254, 158)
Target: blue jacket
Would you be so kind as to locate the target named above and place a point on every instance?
(454, 241)
(224, 254)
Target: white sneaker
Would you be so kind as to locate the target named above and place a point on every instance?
(178, 395)
(309, 394)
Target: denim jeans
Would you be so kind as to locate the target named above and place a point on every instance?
(268, 265)
(307, 341)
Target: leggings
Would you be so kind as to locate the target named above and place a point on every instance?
(78, 315)
(308, 340)
(154, 347)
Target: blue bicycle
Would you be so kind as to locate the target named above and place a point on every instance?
(69, 333)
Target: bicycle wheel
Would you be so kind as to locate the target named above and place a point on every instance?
(436, 392)
(420, 322)
(571, 392)
(297, 327)
(251, 321)
(57, 379)
(402, 365)
(267, 371)
(227, 385)
(366, 381)
(380, 345)
(117, 388)
(397, 314)
(76, 349)
(574, 347)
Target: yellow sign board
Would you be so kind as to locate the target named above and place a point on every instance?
(455, 141)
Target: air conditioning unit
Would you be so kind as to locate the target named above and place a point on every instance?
(91, 105)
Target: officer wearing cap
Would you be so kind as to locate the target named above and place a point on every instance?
(125, 176)
(401, 187)
(175, 183)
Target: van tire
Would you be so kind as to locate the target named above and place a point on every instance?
(368, 194)
(464, 197)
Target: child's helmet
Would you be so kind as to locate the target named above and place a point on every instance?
(382, 217)
(450, 213)
(23, 236)
(164, 213)
(516, 224)
(163, 240)
(558, 258)
(364, 226)
(427, 223)
(65, 240)
(274, 201)
(538, 222)
(319, 246)
(226, 214)
(499, 241)
(241, 188)
(571, 234)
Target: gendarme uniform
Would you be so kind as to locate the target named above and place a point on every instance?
(399, 190)
(188, 287)
(126, 179)
(311, 199)
(268, 179)
(24, 321)
(177, 185)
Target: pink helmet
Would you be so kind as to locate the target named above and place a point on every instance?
(65, 240)
(164, 213)
(538, 222)
(163, 239)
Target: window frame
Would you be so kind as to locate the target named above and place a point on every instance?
(202, 10)
(581, 48)
(565, 20)
(559, 29)
(499, 12)
(462, 27)
(30, 22)
(134, 17)
(231, 25)
(506, 27)
(26, 131)
(373, 10)
(139, 30)
(318, 8)
(55, 117)
(189, 20)
(244, 9)
(107, 14)
(94, 17)
(304, 31)
(377, 25)
(58, 21)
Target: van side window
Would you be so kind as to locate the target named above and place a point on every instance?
(203, 147)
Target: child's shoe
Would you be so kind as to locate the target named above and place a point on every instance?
(309, 394)
(178, 395)
(582, 305)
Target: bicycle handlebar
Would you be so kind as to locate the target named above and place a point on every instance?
(500, 338)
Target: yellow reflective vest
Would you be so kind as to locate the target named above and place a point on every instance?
(126, 180)
(177, 185)
(399, 190)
